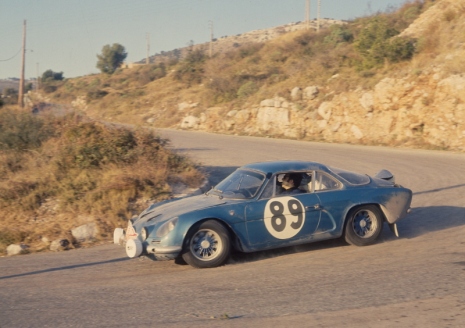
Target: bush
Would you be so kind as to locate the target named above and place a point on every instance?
(249, 49)
(373, 41)
(93, 145)
(10, 96)
(191, 68)
(400, 49)
(95, 94)
(223, 88)
(49, 88)
(149, 73)
(21, 131)
(247, 89)
(339, 34)
(90, 168)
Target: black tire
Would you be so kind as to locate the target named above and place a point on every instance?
(207, 245)
(363, 225)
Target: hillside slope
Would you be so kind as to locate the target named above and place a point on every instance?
(326, 86)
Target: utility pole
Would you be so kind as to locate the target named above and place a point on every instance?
(23, 59)
(210, 23)
(319, 11)
(307, 13)
(147, 59)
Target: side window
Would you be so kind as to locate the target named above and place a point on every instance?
(325, 182)
(306, 183)
(289, 183)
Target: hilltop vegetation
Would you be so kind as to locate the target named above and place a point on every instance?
(359, 50)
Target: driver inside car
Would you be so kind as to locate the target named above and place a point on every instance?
(290, 184)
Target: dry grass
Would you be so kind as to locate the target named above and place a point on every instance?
(85, 169)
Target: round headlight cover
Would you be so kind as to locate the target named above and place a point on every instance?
(144, 234)
(166, 227)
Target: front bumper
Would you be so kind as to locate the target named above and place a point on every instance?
(135, 247)
(163, 253)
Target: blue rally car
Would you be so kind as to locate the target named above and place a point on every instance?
(268, 205)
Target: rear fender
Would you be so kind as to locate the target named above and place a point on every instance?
(397, 205)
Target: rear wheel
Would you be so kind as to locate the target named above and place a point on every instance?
(207, 245)
(363, 226)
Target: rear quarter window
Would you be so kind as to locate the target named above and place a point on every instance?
(325, 182)
(351, 177)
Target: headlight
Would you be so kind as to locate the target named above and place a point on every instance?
(144, 234)
(166, 227)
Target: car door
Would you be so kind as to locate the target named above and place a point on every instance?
(333, 201)
(281, 220)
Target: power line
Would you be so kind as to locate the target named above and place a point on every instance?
(4, 60)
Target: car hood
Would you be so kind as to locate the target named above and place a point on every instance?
(167, 210)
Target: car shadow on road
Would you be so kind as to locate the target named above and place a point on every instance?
(238, 257)
(438, 189)
(423, 220)
(69, 267)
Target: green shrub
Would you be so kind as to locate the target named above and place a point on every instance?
(21, 131)
(400, 49)
(247, 89)
(191, 69)
(339, 34)
(249, 49)
(94, 145)
(95, 94)
(49, 88)
(373, 41)
(223, 88)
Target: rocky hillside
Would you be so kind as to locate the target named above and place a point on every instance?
(324, 86)
(426, 104)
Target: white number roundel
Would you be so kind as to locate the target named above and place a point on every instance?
(284, 217)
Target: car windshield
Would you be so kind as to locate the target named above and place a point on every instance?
(241, 184)
(351, 177)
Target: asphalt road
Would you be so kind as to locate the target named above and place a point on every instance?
(417, 280)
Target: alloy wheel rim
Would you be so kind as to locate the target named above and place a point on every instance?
(206, 245)
(364, 225)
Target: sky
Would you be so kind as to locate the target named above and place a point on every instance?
(66, 35)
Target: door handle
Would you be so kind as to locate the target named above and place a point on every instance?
(314, 207)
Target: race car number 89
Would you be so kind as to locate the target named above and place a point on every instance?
(284, 217)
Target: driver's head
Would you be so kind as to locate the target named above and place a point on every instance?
(291, 180)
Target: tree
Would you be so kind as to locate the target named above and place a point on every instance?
(111, 58)
(50, 75)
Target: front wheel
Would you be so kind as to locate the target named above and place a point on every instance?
(207, 245)
(363, 226)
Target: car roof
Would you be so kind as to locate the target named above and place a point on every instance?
(281, 166)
